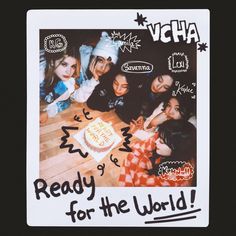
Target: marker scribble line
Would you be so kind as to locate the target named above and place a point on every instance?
(127, 140)
(70, 146)
(180, 214)
(170, 220)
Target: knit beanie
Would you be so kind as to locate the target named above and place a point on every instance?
(106, 47)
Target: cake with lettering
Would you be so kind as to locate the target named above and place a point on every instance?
(99, 136)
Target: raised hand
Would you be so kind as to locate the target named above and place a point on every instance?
(159, 119)
(93, 70)
(136, 124)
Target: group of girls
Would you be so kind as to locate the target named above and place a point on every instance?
(91, 75)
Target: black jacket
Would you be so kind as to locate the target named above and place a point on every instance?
(104, 99)
(146, 100)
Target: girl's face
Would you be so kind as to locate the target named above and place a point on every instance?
(65, 68)
(120, 85)
(172, 109)
(161, 84)
(102, 65)
(162, 149)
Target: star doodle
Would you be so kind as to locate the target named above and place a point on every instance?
(202, 47)
(140, 19)
(131, 42)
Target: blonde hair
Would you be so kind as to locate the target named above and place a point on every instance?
(50, 77)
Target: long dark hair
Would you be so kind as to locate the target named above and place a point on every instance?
(96, 58)
(157, 72)
(152, 100)
(184, 105)
(180, 137)
(50, 78)
(110, 78)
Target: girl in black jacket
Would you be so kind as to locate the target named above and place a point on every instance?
(116, 93)
(151, 93)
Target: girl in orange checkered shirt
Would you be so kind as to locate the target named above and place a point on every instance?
(166, 159)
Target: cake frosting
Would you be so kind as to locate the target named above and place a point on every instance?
(99, 136)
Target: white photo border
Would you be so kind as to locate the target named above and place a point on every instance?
(51, 211)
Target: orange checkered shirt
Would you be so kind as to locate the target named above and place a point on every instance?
(134, 169)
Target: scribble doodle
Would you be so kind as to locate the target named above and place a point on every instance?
(130, 41)
(70, 146)
(182, 89)
(77, 118)
(178, 62)
(101, 167)
(202, 47)
(127, 139)
(86, 114)
(115, 160)
(140, 19)
(55, 43)
(175, 217)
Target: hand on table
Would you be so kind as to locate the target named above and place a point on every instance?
(43, 117)
(93, 70)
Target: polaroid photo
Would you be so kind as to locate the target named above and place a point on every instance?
(118, 118)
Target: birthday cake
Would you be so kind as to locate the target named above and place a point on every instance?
(99, 136)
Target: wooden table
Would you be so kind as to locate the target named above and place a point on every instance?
(58, 165)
